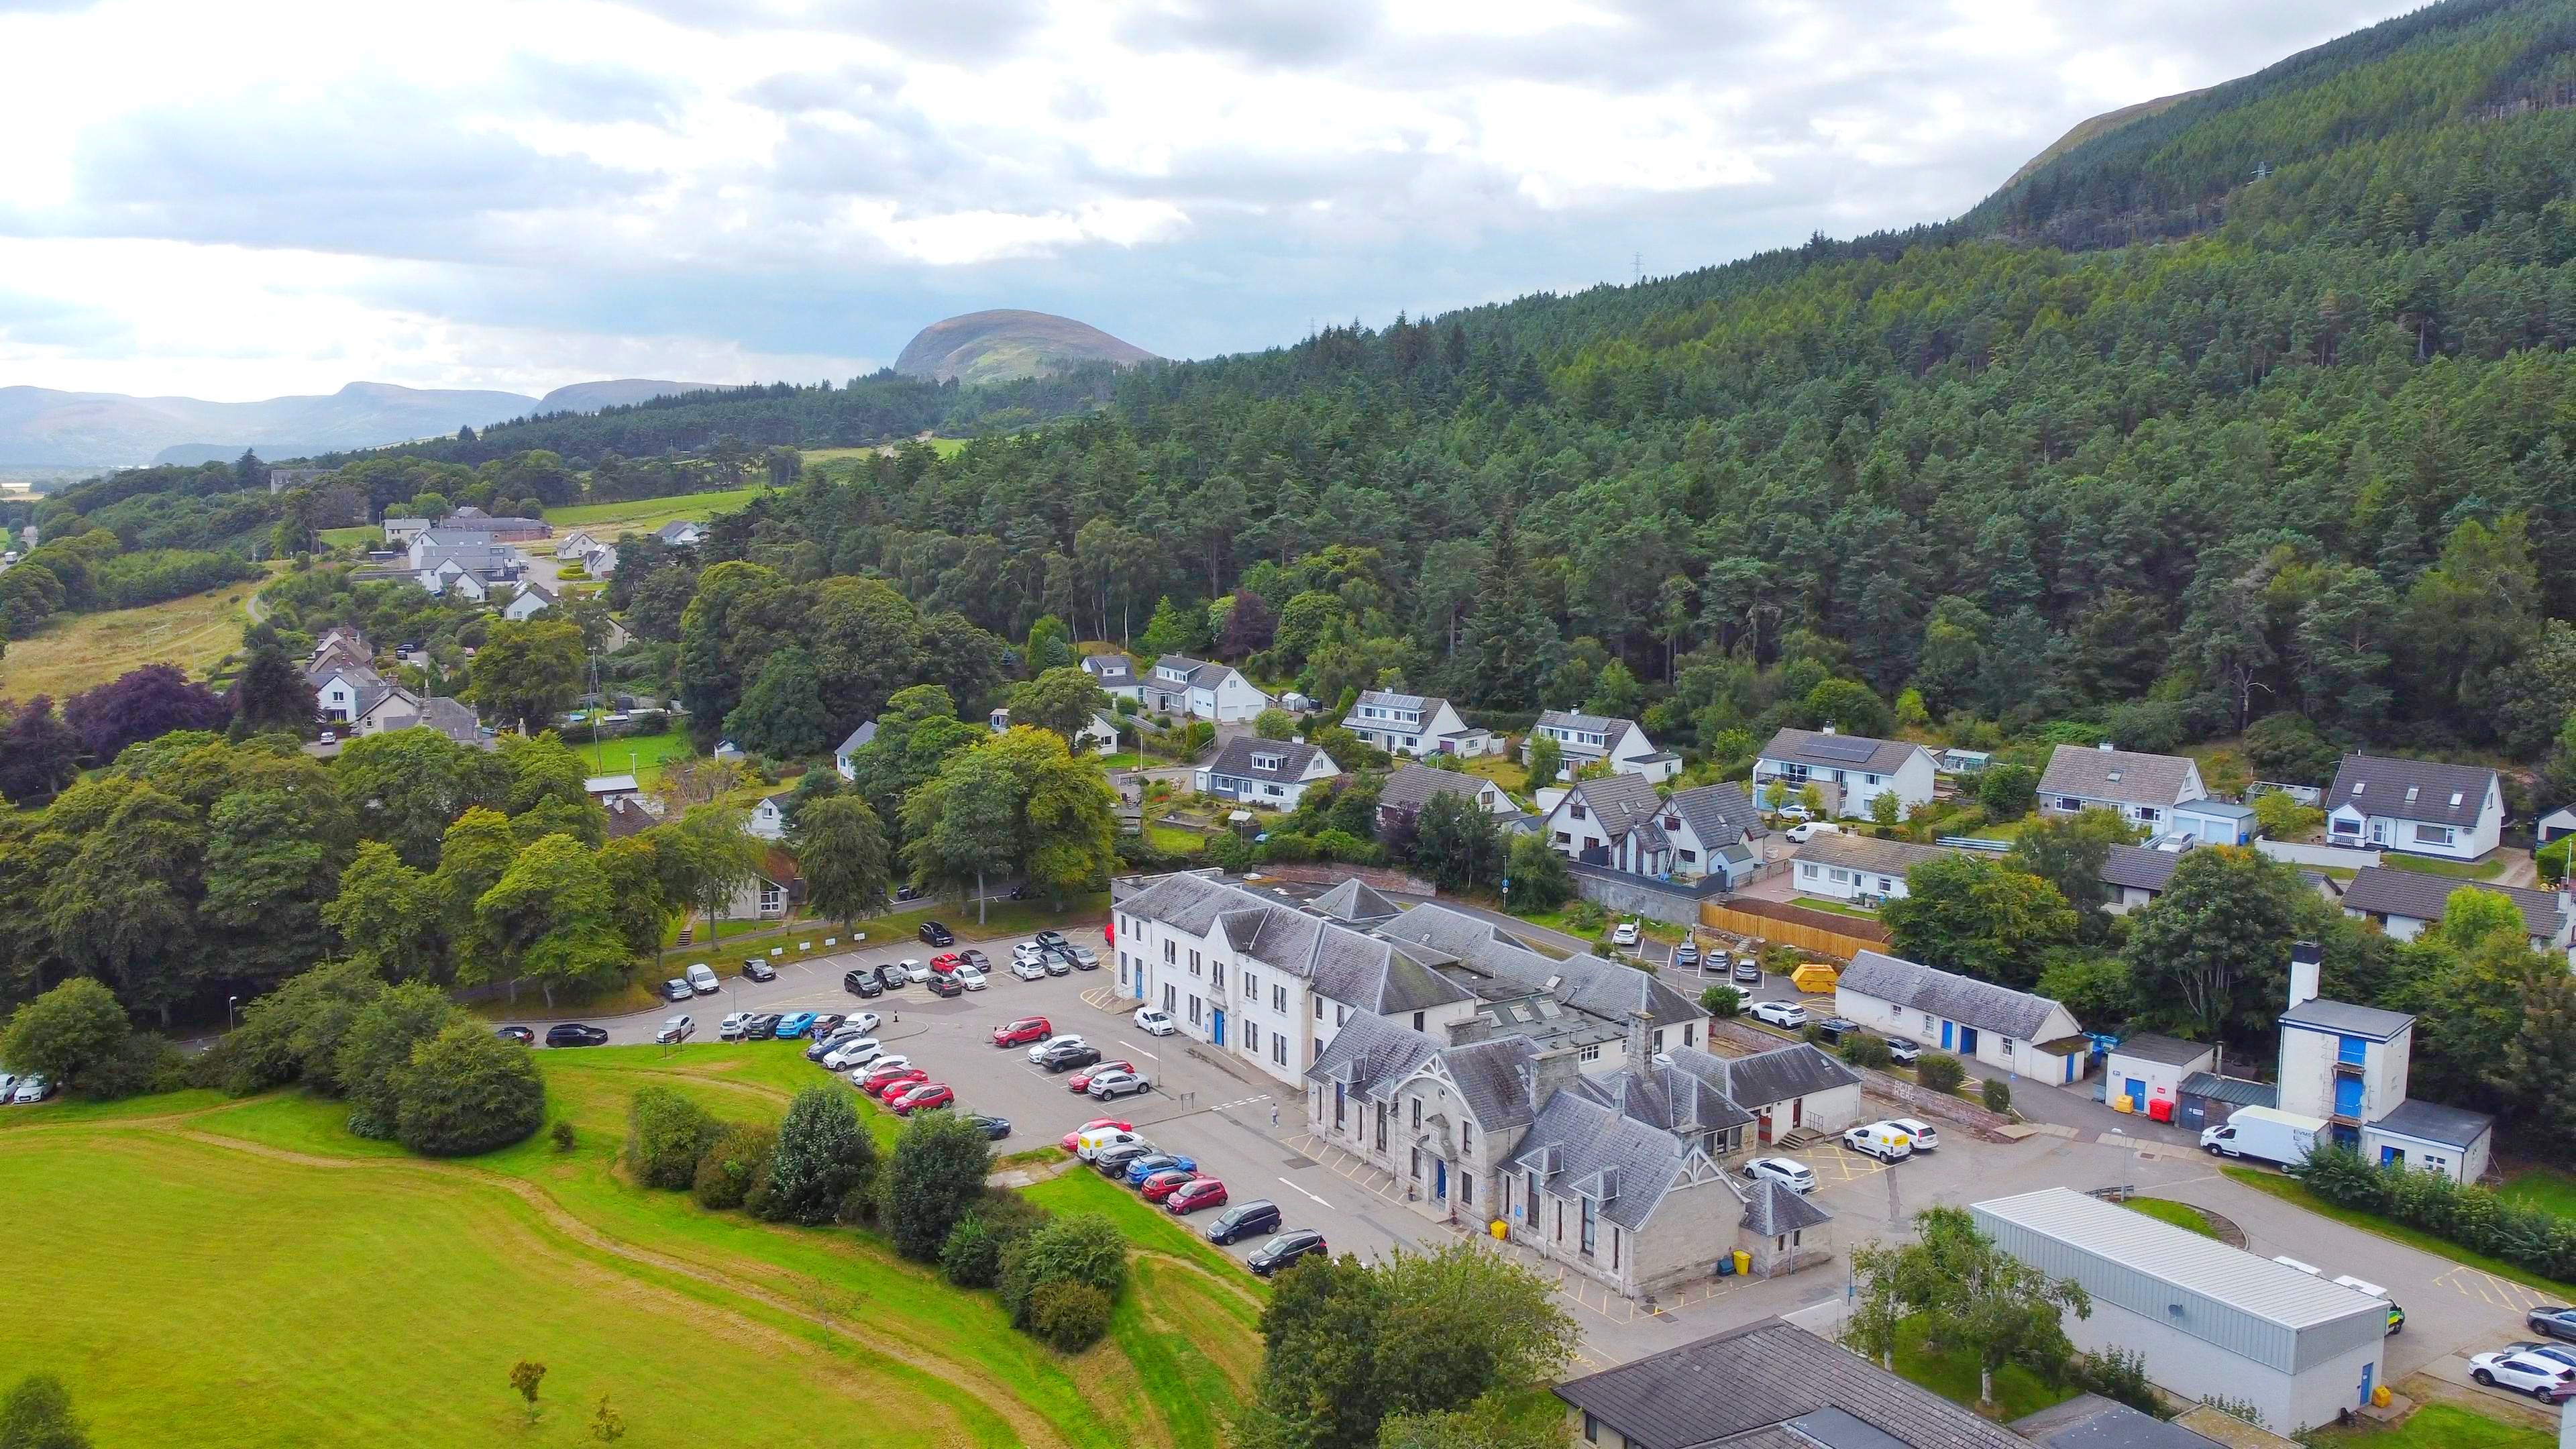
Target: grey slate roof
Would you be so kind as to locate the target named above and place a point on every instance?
(1598, 988)
(1488, 1076)
(1665, 1097)
(1611, 730)
(2234, 1090)
(1776, 1208)
(1191, 669)
(1356, 902)
(1962, 999)
(2343, 1017)
(677, 529)
(1619, 802)
(1765, 1374)
(2377, 786)
(2433, 1122)
(858, 739)
(2169, 1051)
(1602, 1153)
(1869, 853)
(1372, 1056)
(2138, 868)
(2089, 1421)
(1412, 787)
(1720, 814)
(1886, 757)
(1764, 1078)
(1112, 671)
(452, 718)
(2099, 774)
(1386, 979)
(1236, 759)
(2381, 891)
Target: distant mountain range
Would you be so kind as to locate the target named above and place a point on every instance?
(40, 426)
(1005, 346)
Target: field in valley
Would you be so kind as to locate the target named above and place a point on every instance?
(74, 651)
(251, 1271)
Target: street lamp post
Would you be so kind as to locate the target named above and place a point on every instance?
(232, 1011)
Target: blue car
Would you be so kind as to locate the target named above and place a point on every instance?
(1154, 1162)
(795, 1024)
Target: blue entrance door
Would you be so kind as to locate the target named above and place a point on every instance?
(1946, 1029)
(2365, 1383)
(2348, 1097)
(1216, 1029)
(1967, 1041)
(1439, 1180)
(2137, 1091)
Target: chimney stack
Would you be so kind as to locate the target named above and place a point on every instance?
(1637, 1021)
(2306, 958)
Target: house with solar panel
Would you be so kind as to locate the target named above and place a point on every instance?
(1848, 770)
(1416, 725)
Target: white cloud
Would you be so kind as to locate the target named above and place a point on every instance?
(276, 195)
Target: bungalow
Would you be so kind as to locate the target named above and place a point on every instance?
(2455, 812)
(571, 547)
(385, 707)
(1851, 770)
(2404, 903)
(2012, 1031)
(1100, 736)
(845, 758)
(1413, 724)
(1412, 786)
(681, 533)
(601, 561)
(2141, 789)
(477, 551)
(2134, 875)
(1270, 773)
(1114, 673)
(770, 893)
(1200, 690)
(532, 599)
(399, 532)
(1847, 867)
(1585, 740)
(768, 819)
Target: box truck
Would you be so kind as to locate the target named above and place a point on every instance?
(2265, 1133)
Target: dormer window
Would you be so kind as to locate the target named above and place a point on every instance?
(1269, 762)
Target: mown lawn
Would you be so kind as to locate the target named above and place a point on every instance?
(2487, 869)
(2442, 1426)
(2289, 1190)
(1173, 838)
(2547, 1188)
(1953, 1375)
(2181, 1214)
(642, 756)
(342, 1293)
(643, 515)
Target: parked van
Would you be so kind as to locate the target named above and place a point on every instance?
(2264, 1133)
(703, 981)
(2396, 1314)
(1879, 1140)
(1089, 1144)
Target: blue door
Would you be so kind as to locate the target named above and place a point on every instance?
(1216, 1028)
(2365, 1382)
(2348, 1097)
(2137, 1091)
(1945, 1036)
(1967, 1041)
(1439, 1180)
(2391, 1157)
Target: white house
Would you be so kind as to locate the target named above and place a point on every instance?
(2404, 903)
(1100, 736)
(2348, 1065)
(1413, 724)
(2455, 812)
(1786, 1088)
(1591, 819)
(2011, 1031)
(1200, 690)
(681, 533)
(1412, 786)
(1847, 867)
(1114, 673)
(532, 599)
(1618, 821)
(390, 707)
(1849, 770)
(571, 547)
(2557, 824)
(601, 561)
(1273, 774)
(345, 691)
(768, 819)
(2141, 789)
(843, 757)
(1584, 740)
(2148, 1068)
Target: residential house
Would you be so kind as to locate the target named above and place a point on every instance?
(1767, 1385)
(2141, 789)
(771, 893)
(1273, 774)
(1787, 1089)
(1618, 821)
(2012, 1031)
(768, 819)
(1414, 724)
(2455, 812)
(399, 532)
(571, 547)
(844, 758)
(1413, 786)
(383, 708)
(1850, 771)
(340, 645)
(532, 599)
(681, 533)
(1199, 690)
(344, 691)
(504, 529)
(1100, 736)
(1585, 740)
(1847, 867)
(2134, 875)
(600, 561)
(453, 718)
(2348, 1064)
(1595, 821)
(2404, 903)
(2558, 824)
(1114, 673)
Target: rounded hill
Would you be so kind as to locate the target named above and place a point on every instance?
(1006, 345)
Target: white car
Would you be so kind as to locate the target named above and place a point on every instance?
(856, 1052)
(1791, 811)
(703, 981)
(1786, 1171)
(859, 1076)
(731, 1028)
(1028, 968)
(914, 972)
(1051, 1043)
(1105, 1085)
(1625, 934)
(1155, 1021)
(864, 1021)
(32, 1088)
(8, 1084)
(675, 1031)
(2523, 1372)
(968, 977)
(1787, 1014)
(1924, 1136)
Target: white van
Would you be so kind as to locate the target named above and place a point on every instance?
(703, 981)
(1089, 1144)
(1880, 1140)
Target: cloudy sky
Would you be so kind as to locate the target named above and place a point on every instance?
(256, 197)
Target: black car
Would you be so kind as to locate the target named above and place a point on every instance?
(573, 1034)
(995, 1128)
(761, 1027)
(861, 983)
(755, 969)
(520, 1034)
(1069, 1056)
(1051, 940)
(892, 977)
(978, 960)
(1835, 1028)
(935, 934)
(1243, 1219)
(1112, 1161)
(1283, 1250)
(944, 984)
(906, 893)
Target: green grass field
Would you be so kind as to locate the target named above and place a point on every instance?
(643, 515)
(1953, 1375)
(251, 1271)
(642, 756)
(2487, 869)
(2442, 1426)
(2547, 1188)
(74, 651)
(2181, 1214)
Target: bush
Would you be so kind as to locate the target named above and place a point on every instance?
(1721, 1001)
(1068, 1316)
(66, 1032)
(666, 1134)
(142, 1063)
(2119, 1374)
(2007, 792)
(732, 1164)
(2472, 1216)
(565, 1141)
(1940, 1073)
(1998, 1095)
(1814, 1034)
(935, 1175)
(1866, 1051)
(467, 1091)
(972, 1256)
(1086, 1248)
(376, 1049)
(824, 1155)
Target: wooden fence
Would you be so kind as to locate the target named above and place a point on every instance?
(1821, 932)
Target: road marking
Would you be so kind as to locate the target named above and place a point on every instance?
(1319, 1202)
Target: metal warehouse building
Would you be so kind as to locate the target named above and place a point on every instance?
(2209, 1318)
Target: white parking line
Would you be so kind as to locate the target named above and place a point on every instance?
(1319, 1202)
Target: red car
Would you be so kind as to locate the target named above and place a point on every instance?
(882, 1086)
(1197, 1193)
(1072, 1138)
(1160, 1185)
(945, 962)
(925, 1094)
(1026, 1029)
(1081, 1080)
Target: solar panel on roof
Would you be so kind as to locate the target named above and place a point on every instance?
(1849, 752)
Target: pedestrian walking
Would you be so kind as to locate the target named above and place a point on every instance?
(1274, 1114)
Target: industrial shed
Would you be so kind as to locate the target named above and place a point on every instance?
(2209, 1318)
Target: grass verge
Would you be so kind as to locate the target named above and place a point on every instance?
(2442, 1426)
(2181, 1214)
(2547, 1188)
(2290, 1190)
(2487, 869)
(1953, 1375)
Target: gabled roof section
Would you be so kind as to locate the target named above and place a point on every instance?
(858, 739)
(1411, 787)
(1383, 977)
(1197, 673)
(1356, 902)
(1719, 814)
(2418, 895)
(1487, 1075)
(1764, 1078)
(1776, 1208)
(1610, 729)
(2135, 867)
(1295, 757)
(1110, 670)
(2122, 775)
(1869, 853)
(2419, 790)
(1817, 749)
(1601, 1153)
(1604, 990)
(1962, 999)
(1619, 802)
(453, 718)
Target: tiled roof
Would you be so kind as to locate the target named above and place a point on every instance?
(2411, 789)
(1357, 902)
(2131, 779)
(1762, 1375)
(1763, 1078)
(1236, 759)
(1601, 989)
(1720, 814)
(452, 718)
(2418, 895)
(1776, 1208)
(1962, 999)
(1488, 1076)
(2346, 1018)
(1604, 1154)
(1869, 853)
(858, 739)
(2433, 1122)
(1619, 802)
(2164, 1050)
(1412, 787)
(2137, 868)
(1839, 751)
(1110, 669)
